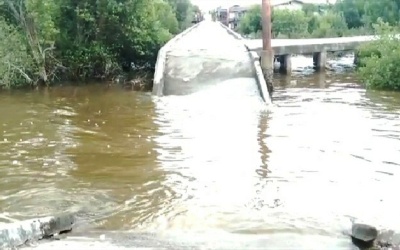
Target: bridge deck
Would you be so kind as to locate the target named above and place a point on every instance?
(205, 56)
(303, 46)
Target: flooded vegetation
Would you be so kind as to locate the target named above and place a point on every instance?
(213, 163)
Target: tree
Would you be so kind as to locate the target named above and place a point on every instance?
(387, 10)
(167, 16)
(366, 12)
(15, 60)
(184, 12)
(352, 11)
(291, 23)
(81, 39)
(330, 25)
(310, 9)
(35, 20)
(251, 21)
(379, 64)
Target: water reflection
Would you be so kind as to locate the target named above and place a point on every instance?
(264, 151)
(265, 197)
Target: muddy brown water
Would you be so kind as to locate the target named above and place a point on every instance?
(328, 152)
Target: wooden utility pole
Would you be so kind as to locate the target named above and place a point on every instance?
(266, 24)
(267, 55)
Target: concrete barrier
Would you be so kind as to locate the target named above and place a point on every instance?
(262, 85)
(16, 234)
(232, 32)
(158, 81)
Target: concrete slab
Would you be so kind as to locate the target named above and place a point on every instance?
(186, 241)
(203, 58)
(305, 46)
(158, 81)
(18, 233)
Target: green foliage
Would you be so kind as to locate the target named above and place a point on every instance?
(48, 40)
(379, 65)
(292, 23)
(310, 9)
(329, 25)
(167, 17)
(386, 10)
(15, 61)
(378, 61)
(352, 11)
(184, 12)
(359, 13)
(251, 21)
(44, 13)
(345, 17)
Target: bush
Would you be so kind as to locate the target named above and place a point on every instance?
(251, 21)
(15, 60)
(50, 40)
(285, 23)
(379, 61)
(291, 23)
(328, 25)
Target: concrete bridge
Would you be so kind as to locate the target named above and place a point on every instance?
(209, 53)
(204, 56)
(284, 48)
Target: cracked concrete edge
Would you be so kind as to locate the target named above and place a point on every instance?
(158, 80)
(16, 234)
(262, 85)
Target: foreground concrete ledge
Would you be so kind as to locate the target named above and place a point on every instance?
(18, 233)
(158, 81)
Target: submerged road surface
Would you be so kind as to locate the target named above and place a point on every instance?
(206, 56)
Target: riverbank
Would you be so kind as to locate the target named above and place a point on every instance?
(136, 81)
(142, 80)
(77, 41)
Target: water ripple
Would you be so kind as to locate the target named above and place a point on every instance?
(214, 161)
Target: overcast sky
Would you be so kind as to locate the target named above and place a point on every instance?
(211, 4)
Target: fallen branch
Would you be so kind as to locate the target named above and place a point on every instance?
(27, 78)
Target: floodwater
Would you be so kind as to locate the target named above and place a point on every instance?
(214, 167)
